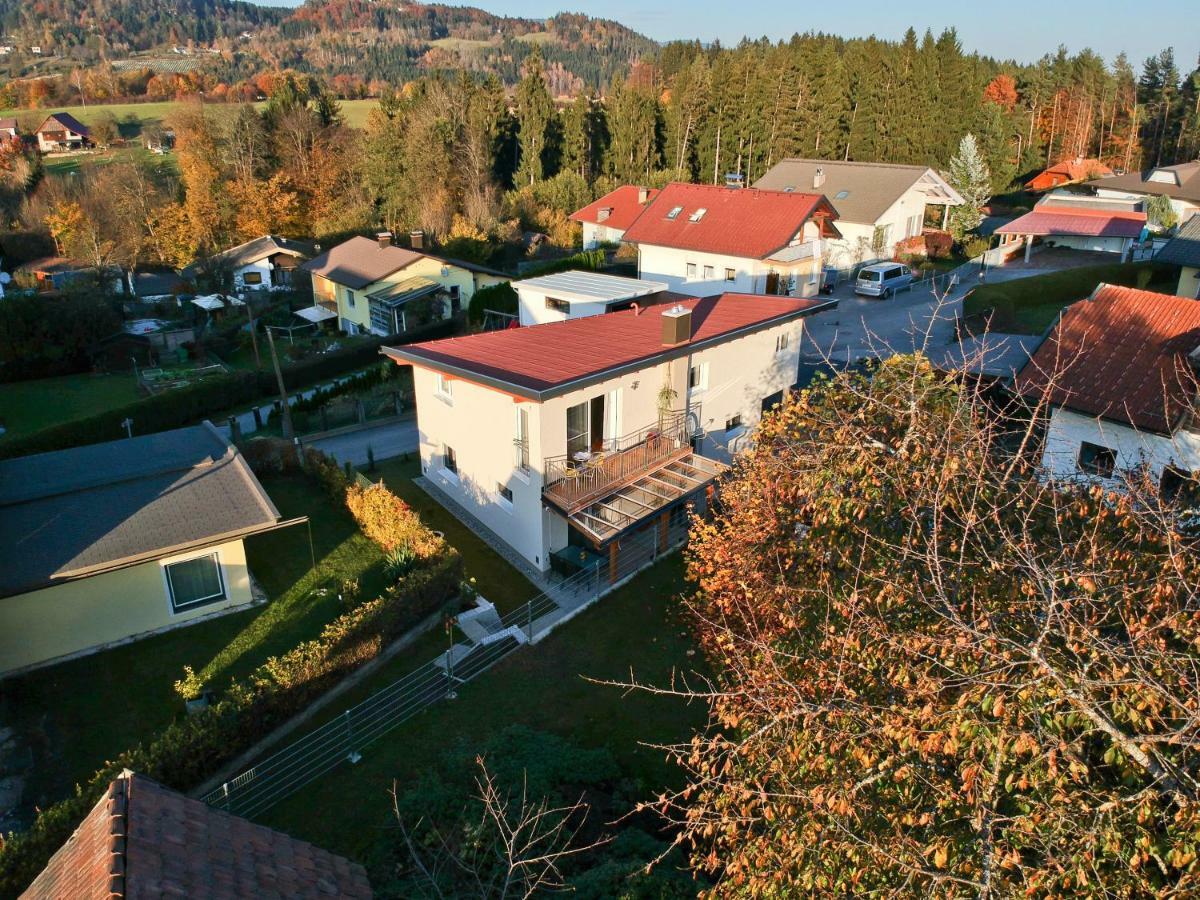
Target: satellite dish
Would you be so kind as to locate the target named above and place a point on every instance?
(5, 278)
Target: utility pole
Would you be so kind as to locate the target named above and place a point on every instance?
(285, 411)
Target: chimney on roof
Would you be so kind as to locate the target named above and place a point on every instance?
(384, 238)
(818, 177)
(643, 196)
(416, 239)
(676, 325)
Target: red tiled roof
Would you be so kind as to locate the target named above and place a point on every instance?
(1121, 354)
(748, 223)
(622, 204)
(540, 360)
(1047, 219)
(144, 841)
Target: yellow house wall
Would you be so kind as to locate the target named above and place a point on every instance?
(353, 305)
(91, 613)
(1189, 282)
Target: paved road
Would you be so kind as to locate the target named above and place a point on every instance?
(386, 440)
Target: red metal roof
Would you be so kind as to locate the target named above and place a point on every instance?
(538, 361)
(748, 223)
(1047, 220)
(1121, 354)
(143, 841)
(622, 204)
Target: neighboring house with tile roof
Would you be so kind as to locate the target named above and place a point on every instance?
(1183, 250)
(705, 240)
(878, 204)
(53, 273)
(606, 219)
(108, 543)
(1118, 376)
(1069, 171)
(144, 841)
(1179, 182)
(581, 433)
(9, 127)
(1076, 227)
(62, 132)
(372, 286)
(264, 263)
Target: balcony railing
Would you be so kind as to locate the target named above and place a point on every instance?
(572, 484)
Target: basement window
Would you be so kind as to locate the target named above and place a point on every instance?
(1097, 460)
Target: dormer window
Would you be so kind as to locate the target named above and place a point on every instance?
(697, 215)
(674, 213)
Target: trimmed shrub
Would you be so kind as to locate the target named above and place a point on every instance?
(498, 297)
(192, 748)
(390, 522)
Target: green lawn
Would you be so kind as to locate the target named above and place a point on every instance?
(546, 687)
(1031, 305)
(163, 166)
(76, 715)
(27, 406)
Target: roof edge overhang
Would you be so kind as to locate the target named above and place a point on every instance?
(407, 357)
(151, 556)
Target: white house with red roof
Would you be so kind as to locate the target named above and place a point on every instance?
(584, 432)
(1118, 378)
(706, 240)
(605, 220)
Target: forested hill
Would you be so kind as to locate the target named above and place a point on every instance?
(67, 27)
(392, 40)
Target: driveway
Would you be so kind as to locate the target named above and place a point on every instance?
(386, 441)
(920, 319)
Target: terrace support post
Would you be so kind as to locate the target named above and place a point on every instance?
(664, 522)
(1028, 246)
(235, 430)
(613, 554)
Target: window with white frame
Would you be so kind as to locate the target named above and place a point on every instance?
(782, 342)
(691, 271)
(449, 459)
(445, 386)
(562, 306)
(731, 274)
(698, 377)
(734, 423)
(349, 298)
(252, 278)
(195, 582)
(505, 493)
(521, 441)
(708, 273)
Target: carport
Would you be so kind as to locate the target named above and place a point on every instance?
(1097, 230)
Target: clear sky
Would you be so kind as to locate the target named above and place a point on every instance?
(1005, 30)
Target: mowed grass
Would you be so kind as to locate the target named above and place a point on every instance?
(76, 715)
(28, 406)
(636, 632)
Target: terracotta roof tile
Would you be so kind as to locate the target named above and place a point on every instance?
(143, 841)
(1123, 355)
(541, 360)
(623, 207)
(1047, 219)
(746, 223)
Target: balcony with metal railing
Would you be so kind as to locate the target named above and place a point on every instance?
(631, 479)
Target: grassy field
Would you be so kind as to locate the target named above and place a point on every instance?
(27, 406)
(1031, 305)
(550, 687)
(76, 715)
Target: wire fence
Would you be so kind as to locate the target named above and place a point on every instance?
(343, 739)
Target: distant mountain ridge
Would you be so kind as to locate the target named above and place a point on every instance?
(371, 39)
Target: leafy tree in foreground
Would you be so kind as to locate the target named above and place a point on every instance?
(936, 674)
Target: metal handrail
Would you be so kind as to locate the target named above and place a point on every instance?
(574, 483)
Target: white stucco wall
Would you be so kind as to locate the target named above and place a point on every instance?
(532, 309)
(262, 267)
(669, 265)
(1114, 245)
(1184, 209)
(480, 424)
(595, 235)
(1134, 448)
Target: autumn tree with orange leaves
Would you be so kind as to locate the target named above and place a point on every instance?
(937, 674)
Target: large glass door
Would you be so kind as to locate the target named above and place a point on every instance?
(578, 431)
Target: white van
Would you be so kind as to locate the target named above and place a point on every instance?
(883, 279)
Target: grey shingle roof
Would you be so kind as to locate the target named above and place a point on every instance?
(1187, 174)
(254, 250)
(360, 261)
(1184, 248)
(78, 512)
(870, 188)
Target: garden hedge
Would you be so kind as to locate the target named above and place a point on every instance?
(215, 395)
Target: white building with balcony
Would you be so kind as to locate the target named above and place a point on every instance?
(705, 240)
(566, 438)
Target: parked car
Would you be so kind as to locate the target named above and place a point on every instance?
(883, 279)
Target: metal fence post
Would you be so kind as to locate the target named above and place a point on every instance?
(354, 756)
(225, 796)
(529, 619)
(451, 694)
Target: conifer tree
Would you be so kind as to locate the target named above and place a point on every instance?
(535, 109)
(969, 176)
